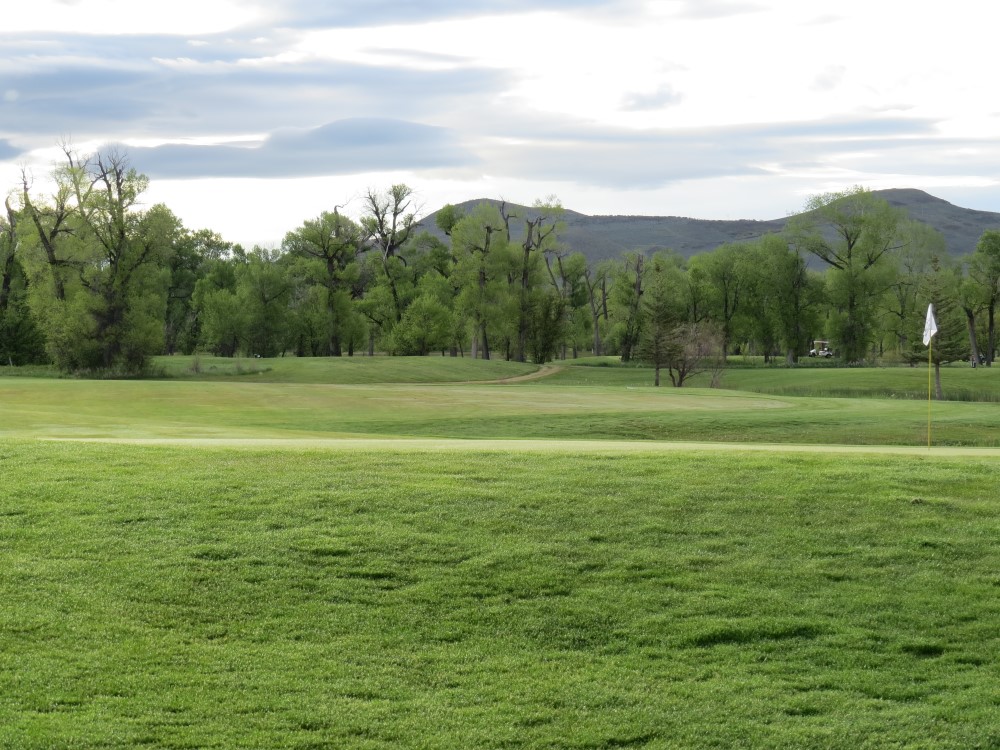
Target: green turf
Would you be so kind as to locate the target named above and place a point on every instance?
(172, 597)
(536, 409)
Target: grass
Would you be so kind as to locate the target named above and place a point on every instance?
(536, 409)
(180, 597)
(575, 591)
(341, 370)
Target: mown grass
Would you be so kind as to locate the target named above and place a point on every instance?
(174, 597)
(537, 409)
(813, 378)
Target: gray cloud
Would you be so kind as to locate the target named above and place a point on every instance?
(150, 98)
(344, 147)
(665, 96)
(313, 13)
(8, 151)
(628, 159)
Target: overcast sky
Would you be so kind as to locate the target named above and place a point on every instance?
(250, 116)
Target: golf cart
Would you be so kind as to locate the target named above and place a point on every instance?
(821, 349)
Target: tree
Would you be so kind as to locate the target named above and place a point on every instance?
(853, 233)
(263, 290)
(725, 275)
(328, 248)
(627, 289)
(939, 287)
(194, 254)
(539, 237)
(21, 341)
(54, 225)
(112, 320)
(596, 284)
(782, 298)
(388, 221)
(663, 332)
(478, 241)
(984, 270)
(567, 275)
(920, 244)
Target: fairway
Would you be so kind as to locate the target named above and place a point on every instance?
(580, 447)
(173, 596)
(538, 563)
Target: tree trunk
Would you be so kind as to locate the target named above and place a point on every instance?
(597, 333)
(938, 392)
(656, 377)
(486, 341)
(970, 319)
(992, 335)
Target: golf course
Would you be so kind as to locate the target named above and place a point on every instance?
(428, 552)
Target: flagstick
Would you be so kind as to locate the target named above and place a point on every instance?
(930, 347)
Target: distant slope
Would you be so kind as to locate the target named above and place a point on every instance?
(600, 237)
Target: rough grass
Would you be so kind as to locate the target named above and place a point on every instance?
(170, 597)
(338, 369)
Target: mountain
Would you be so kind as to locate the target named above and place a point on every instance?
(600, 237)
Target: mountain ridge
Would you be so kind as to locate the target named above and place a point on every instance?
(608, 236)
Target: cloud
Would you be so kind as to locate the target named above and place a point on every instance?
(651, 159)
(665, 96)
(219, 88)
(347, 13)
(343, 147)
(829, 78)
(8, 151)
(714, 9)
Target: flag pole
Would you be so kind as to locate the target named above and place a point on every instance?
(930, 328)
(930, 347)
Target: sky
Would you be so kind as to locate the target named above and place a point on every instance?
(252, 116)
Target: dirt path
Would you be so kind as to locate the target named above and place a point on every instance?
(542, 372)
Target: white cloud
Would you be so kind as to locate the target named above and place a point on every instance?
(184, 17)
(664, 106)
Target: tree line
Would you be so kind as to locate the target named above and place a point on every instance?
(95, 283)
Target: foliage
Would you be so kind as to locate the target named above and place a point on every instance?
(862, 232)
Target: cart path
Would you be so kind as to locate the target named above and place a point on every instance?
(542, 372)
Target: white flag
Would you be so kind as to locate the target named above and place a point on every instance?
(930, 327)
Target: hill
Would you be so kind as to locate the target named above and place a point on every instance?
(600, 237)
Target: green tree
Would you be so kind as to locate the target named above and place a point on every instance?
(854, 233)
(263, 290)
(194, 253)
(567, 273)
(113, 319)
(726, 276)
(480, 246)
(627, 287)
(21, 341)
(388, 221)
(540, 237)
(984, 270)
(940, 288)
(328, 248)
(596, 282)
(667, 340)
(919, 245)
(783, 298)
